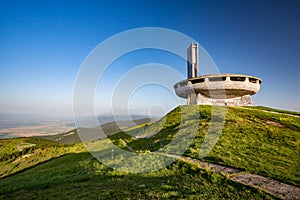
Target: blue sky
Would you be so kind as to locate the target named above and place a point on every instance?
(43, 43)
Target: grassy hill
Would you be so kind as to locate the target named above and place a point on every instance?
(108, 128)
(79, 176)
(258, 140)
(22, 153)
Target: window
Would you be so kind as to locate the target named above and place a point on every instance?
(199, 80)
(237, 78)
(252, 80)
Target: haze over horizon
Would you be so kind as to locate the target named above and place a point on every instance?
(43, 44)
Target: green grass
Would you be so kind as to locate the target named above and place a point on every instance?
(258, 142)
(80, 176)
(275, 110)
(33, 151)
(249, 142)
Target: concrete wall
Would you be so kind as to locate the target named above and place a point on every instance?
(199, 99)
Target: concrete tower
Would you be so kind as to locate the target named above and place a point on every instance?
(215, 89)
(192, 61)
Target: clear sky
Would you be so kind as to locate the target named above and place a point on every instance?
(43, 43)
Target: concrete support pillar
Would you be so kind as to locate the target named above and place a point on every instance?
(192, 99)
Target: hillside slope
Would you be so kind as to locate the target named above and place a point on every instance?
(255, 140)
(108, 128)
(18, 154)
(80, 176)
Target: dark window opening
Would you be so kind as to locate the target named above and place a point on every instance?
(237, 78)
(200, 80)
(252, 80)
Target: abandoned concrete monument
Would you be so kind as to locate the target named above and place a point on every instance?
(215, 89)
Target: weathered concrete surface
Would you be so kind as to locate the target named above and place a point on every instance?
(245, 100)
(236, 87)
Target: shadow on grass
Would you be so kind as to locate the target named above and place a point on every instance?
(80, 176)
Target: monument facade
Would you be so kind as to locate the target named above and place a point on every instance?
(215, 89)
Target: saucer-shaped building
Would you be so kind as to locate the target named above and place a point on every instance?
(215, 89)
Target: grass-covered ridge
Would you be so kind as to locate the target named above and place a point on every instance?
(21, 153)
(276, 110)
(257, 141)
(264, 143)
(108, 128)
(260, 142)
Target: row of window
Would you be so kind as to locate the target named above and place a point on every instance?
(217, 79)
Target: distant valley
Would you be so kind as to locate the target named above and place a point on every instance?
(13, 126)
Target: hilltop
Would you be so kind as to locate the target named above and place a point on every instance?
(255, 140)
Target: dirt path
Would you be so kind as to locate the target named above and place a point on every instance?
(276, 188)
(282, 190)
